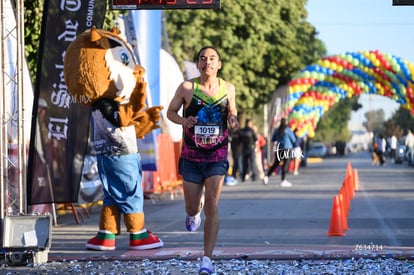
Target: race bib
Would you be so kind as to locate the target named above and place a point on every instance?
(207, 130)
(207, 135)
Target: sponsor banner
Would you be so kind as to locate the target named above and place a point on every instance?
(60, 123)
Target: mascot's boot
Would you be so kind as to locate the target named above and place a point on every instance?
(109, 226)
(140, 238)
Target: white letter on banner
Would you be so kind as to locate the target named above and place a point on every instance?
(70, 33)
(70, 5)
(55, 130)
(61, 98)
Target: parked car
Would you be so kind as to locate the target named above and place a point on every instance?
(317, 150)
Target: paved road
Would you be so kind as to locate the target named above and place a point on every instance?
(260, 221)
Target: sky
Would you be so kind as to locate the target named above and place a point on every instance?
(364, 25)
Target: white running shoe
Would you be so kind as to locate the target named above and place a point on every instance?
(206, 267)
(285, 183)
(265, 180)
(193, 223)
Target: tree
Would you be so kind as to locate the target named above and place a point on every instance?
(32, 24)
(391, 128)
(399, 123)
(262, 43)
(375, 120)
(333, 126)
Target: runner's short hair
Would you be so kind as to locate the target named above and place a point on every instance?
(204, 48)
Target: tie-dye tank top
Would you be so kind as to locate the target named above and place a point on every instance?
(207, 141)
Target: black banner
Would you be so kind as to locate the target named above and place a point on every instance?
(403, 2)
(60, 124)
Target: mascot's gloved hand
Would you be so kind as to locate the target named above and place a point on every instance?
(148, 121)
(133, 110)
(133, 113)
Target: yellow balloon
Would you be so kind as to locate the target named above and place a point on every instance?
(311, 133)
(320, 62)
(305, 87)
(406, 106)
(326, 106)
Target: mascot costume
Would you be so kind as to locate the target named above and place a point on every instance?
(101, 71)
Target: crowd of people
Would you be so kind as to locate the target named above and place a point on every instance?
(388, 147)
(249, 154)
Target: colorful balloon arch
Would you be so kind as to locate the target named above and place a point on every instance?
(319, 86)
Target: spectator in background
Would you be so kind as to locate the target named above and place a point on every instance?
(297, 153)
(379, 150)
(305, 146)
(383, 149)
(409, 142)
(284, 140)
(236, 153)
(260, 143)
(375, 148)
(393, 146)
(248, 138)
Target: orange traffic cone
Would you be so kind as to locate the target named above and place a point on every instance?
(349, 185)
(335, 226)
(349, 168)
(349, 180)
(346, 200)
(356, 180)
(344, 213)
